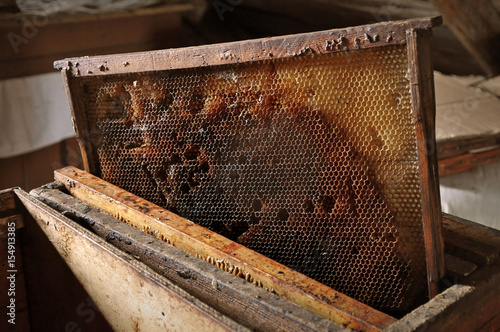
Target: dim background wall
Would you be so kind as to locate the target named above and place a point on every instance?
(36, 168)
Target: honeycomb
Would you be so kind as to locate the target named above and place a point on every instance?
(311, 161)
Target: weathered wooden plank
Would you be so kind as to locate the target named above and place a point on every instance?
(16, 219)
(419, 319)
(53, 290)
(11, 264)
(457, 267)
(455, 147)
(12, 279)
(468, 306)
(467, 161)
(469, 249)
(8, 201)
(222, 252)
(471, 230)
(130, 295)
(251, 306)
(369, 36)
(423, 107)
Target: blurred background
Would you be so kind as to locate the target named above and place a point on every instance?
(36, 134)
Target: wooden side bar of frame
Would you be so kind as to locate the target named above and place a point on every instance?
(423, 105)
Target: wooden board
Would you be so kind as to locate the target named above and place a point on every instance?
(472, 229)
(15, 315)
(56, 298)
(249, 305)
(9, 203)
(468, 246)
(131, 296)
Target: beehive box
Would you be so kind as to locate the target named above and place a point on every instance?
(92, 272)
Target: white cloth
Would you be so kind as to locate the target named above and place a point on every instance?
(474, 195)
(34, 113)
(468, 107)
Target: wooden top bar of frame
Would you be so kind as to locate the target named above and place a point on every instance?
(328, 41)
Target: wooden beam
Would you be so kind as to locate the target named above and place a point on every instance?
(221, 252)
(467, 161)
(477, 25)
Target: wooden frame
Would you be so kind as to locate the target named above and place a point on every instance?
(415, 34)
